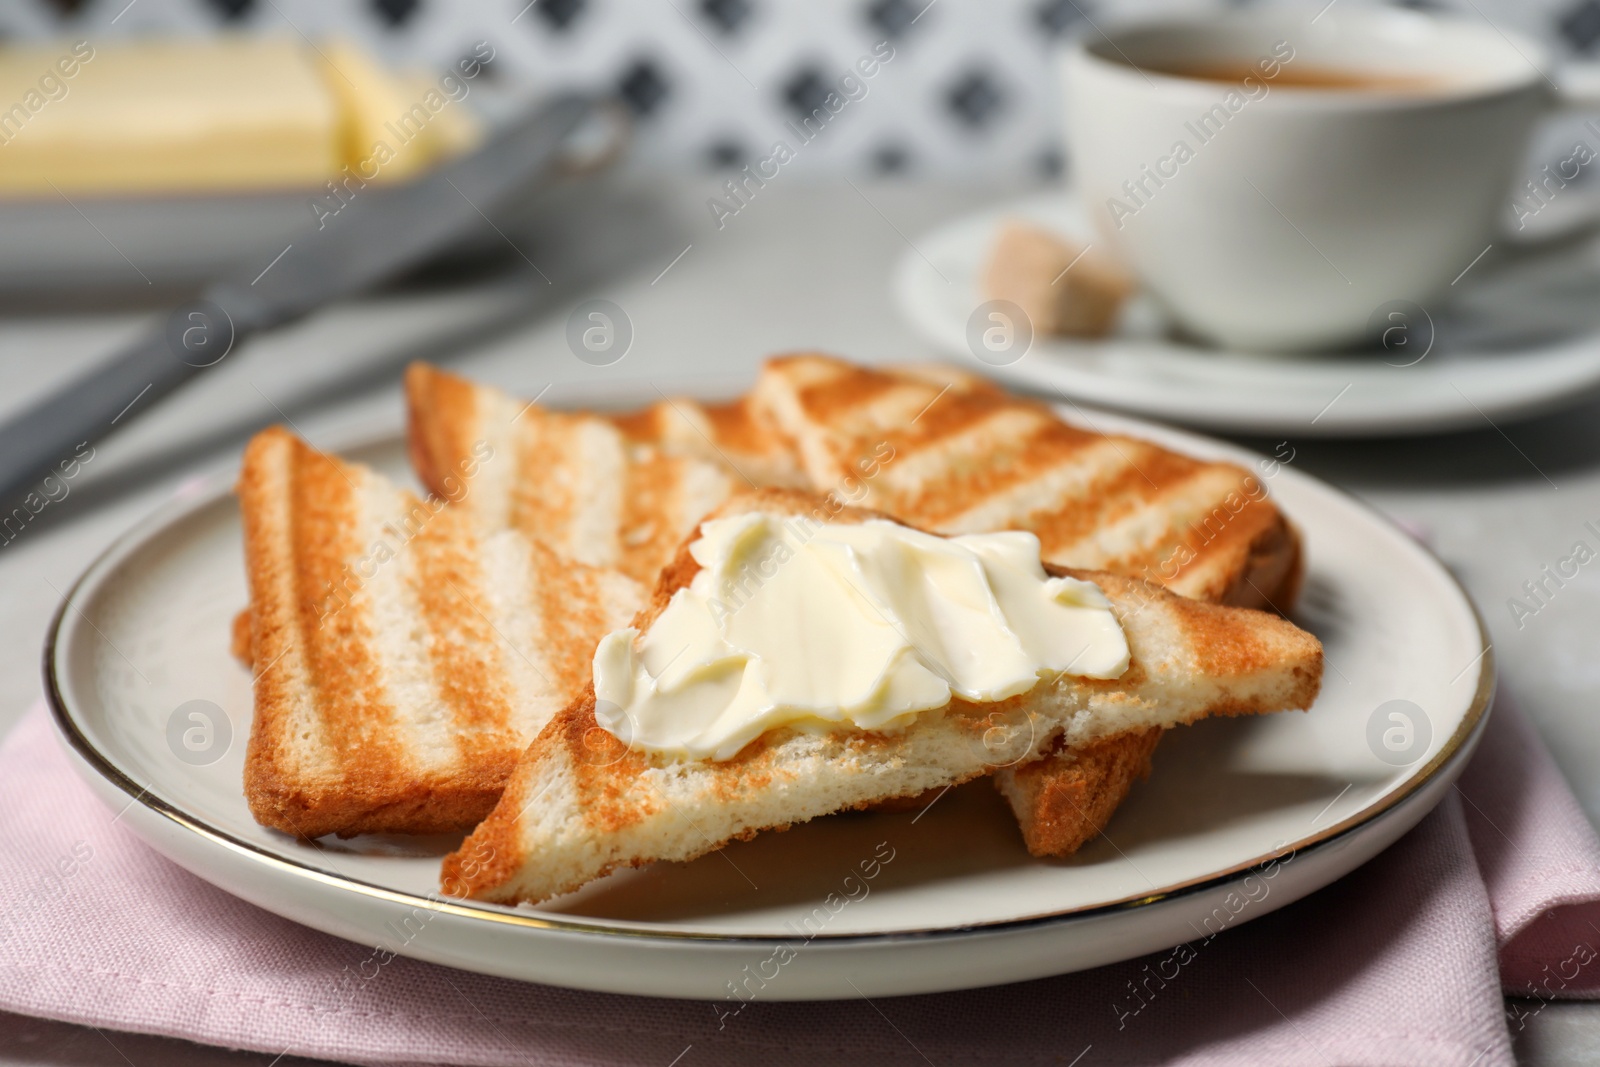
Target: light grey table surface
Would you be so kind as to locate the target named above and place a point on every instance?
(802, 266)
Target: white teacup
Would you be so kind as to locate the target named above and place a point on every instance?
(1276, 216)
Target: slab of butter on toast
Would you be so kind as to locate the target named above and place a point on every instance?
(584, 801)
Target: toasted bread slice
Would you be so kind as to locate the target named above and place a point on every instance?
(962, 458)
(403, 660)
(582, 803)
(941, 449)
(579, 482)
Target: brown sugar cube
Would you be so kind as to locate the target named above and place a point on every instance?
(1064, 288)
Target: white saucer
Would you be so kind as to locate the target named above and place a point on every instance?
(1515, 341)
(1296, 799)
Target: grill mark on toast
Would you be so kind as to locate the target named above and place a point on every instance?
(847, 391)
(357, 721)
(1223, 648)
(848, 448)
(521, 567)
(854, 401)
(395, 521)
(568, 490)
(728, 436)
(652, 506)
(942, 415)
(683, 423)
(645, 426)
(603, 769)
(1052, 487)
(1196, 524)
(734, 427)
(1225, 560)
(464, 651)
(548, 613)
(946, 375)
(542, 503)
(1018, 445)
(608, 773)
(1082, 531)
(940, 433)
(572, 611)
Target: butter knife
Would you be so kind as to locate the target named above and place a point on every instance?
(374, 235)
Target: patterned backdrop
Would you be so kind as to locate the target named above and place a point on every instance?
(959, 87)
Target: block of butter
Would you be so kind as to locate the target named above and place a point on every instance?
(227, 114)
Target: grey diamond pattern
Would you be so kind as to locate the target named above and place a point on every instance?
(715, 83)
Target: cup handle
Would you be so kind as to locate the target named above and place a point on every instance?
(1577, 88)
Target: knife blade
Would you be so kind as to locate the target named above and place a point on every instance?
(373, 235)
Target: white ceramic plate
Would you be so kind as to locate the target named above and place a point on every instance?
(1512, 342)
(958, 903)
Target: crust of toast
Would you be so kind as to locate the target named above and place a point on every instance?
(441, 413)
(1070, 795)
(389, 697)
(582, 803)
(239, 639)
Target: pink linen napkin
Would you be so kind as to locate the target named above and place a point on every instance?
(1400, 963)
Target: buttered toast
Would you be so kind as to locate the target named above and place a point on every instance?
(932, 446)
(582, 803)
(958, 456)
(403, 661)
